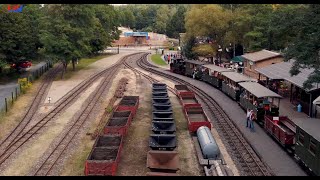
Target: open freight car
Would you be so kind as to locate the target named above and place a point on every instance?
(105, 156)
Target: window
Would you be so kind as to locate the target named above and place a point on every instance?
(312, 146)
(301, 138)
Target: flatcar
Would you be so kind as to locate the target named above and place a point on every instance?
(260, 99)
(212, 75)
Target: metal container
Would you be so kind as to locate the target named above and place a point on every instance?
(209, 147)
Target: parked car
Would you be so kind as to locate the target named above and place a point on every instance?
(21, 65)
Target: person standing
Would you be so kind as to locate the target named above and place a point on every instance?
(248, 116)
(251, 119)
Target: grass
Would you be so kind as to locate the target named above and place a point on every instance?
(83, 63)
(156, 58)
(75, 165)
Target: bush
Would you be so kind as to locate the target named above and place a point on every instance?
(24, 84)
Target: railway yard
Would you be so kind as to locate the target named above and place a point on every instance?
(94, 126)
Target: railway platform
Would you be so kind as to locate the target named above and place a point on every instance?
(269, 150)
(288, 109)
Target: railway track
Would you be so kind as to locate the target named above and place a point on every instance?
(51, 160)
(68, 99)
(7, 141)
(149, 78)
(249, 161)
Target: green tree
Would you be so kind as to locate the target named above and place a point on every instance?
(19, 37)
(208, 20)
(162, 19)
(187, 48)
(305, 49)
(176, 23)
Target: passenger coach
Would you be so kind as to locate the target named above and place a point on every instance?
(260, 99)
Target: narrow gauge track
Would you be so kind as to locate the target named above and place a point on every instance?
(251, 164)
(149, 78)
(67, 100)
(49, 163)
(32, 109)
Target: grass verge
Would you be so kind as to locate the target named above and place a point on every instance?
(156, 58)
(83, 63)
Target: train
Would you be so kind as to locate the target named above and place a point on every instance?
(301, 139)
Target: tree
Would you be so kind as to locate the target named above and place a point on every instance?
(74, 31)
(213, 23)
(19, 37)
(162, 19)
(305, 49)
(176, 23)
(187, 48)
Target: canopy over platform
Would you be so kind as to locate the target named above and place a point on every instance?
(282, 71)
(216, 68)
(236, 77)
(258, 90)
(310, 126)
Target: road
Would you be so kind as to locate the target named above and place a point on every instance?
(7, 89)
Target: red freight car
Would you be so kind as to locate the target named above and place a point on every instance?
(129, 103)
(188, 99)
(180, 89)
(105, 156)
(281, 128)
(196, 117)
(118, 123)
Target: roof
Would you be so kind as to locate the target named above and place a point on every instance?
(237, 59)
(282, 71)
(236, 77)
(317, 101)
(258, 90)
(216, 68)
(195, 62)
(261, 55)
(310, 126)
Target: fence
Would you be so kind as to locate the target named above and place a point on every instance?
(7, 102)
